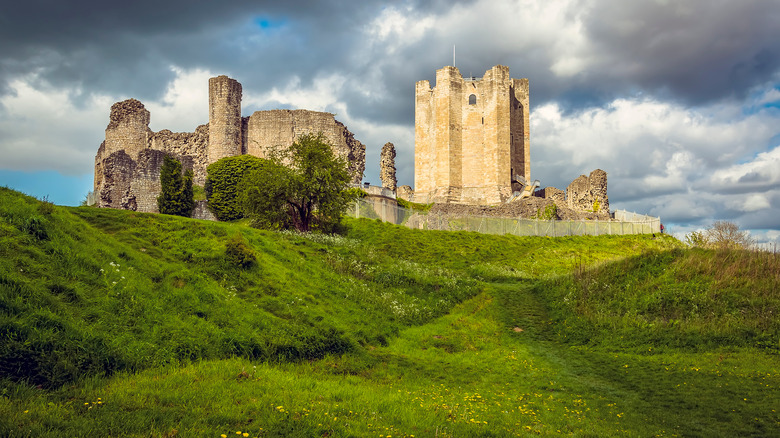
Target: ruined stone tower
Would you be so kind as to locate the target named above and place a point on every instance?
(128, 162)
(471, 137)
(127, 128)
(224, 118)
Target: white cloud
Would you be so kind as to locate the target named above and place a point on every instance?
(762, 171)
(41, 128)
(45, 128)
(321, 95)
(184, 105)
(663, 158)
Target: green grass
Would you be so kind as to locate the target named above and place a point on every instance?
(385, 331)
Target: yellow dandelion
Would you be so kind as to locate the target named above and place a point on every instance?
(245, 434)
(223, 436)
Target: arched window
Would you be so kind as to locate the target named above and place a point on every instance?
(473, 99)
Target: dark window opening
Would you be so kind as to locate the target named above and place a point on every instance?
(473, 99)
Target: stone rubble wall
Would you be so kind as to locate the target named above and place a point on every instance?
(587, 192)
(387, 167)
(528, 208)
(128, 162)
(558, 196)
(193, 145)
(404, 192)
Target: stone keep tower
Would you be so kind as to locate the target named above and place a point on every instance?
(471, 137)
(224, 118)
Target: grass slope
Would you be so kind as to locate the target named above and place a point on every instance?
(384, 332)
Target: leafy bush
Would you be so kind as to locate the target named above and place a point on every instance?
(312, 193)
(222, 183)
(238, 252)
(176, 195)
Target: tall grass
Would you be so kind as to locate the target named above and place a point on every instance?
(116, 323)
(685, 298)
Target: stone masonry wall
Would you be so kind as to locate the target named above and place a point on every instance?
(387, 167)
(558, 196)
(268, 132)
(224, 118)
(587, 192)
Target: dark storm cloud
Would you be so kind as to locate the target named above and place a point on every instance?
(128, 47)
(696, 51)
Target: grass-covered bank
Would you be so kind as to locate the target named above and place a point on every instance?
(383, 332)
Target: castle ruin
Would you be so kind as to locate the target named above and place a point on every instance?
(471, 137)
(128, 162)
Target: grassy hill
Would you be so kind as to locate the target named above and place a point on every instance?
(115, 323)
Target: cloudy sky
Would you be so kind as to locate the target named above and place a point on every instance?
(677, 100)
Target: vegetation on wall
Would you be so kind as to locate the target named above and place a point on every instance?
(176, 193)
(550, 212)
(222, 183)
(414, 205)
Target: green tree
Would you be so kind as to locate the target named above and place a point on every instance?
(222, 180)
(312, 193)
(175, 190)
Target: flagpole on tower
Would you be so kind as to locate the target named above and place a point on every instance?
(453, 55)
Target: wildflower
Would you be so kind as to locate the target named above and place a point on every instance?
(223, 436)
(245, 434)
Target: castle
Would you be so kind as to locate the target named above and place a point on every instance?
(128, 162)
(472, 146)
(471, 137)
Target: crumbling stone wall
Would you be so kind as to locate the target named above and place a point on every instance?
(528, 208)
(387, 167)
(556, 195)
(404, 192)
(589, 193)
(128, 162)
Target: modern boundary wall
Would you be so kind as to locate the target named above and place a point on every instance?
(493, 225)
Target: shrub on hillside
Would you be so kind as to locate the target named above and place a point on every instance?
(720, 235)
(238, 252)
(222, 184)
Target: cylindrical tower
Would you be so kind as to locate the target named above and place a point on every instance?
(127, 129)
(224, 118)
